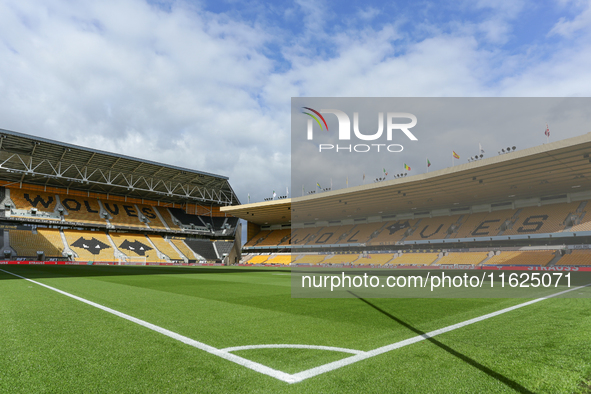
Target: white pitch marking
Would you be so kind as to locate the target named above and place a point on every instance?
(199, 345)
(289, 346)
(300, 376)
(353, 359)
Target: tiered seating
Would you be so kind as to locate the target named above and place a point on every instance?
(576, 257)
(254, 241)
(26, 244)
(258, 259)
(391, 233)
(415, 259)
(433, 228)
(183, 248)
(585, 224)
(330, 235)
(282, 259)
(302, 236)
(165, 247)
(90, 245)
(471, 221)
(542, 258)
(232, 222)
(274, 237)
(185, 218)
(360, 233)
(341, 259)
(311, 259)
(136, 246)
(465, 258)
(167, 218)
(544, 219)
(224, 247)
(203, 248)
(375, 259)
(149, 212)
(122, 214)
(27, 199)
(82, 209)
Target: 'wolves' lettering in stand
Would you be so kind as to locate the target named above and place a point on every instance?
(39, 200)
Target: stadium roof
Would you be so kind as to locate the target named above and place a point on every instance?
(40, 161)
(548, 170)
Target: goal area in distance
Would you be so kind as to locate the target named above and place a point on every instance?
(127, 260)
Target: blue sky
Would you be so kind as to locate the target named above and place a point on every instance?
(208, 85)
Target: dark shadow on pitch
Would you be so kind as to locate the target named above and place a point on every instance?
(503, 379)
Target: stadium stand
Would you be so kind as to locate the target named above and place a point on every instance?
(433, 228)
(415, 259)
(27, 199)
(163, 246)
(360, 233)
(281, 259)
(187, 219)
(311, 259)
(81, 209)
(544, 219)
(275, 237)
(260, 259)
(136, 246)
(122, 214)
(341, 259)
(150, 214)
(223, 247)
(463, 258)
(180, 244)
(470, 222)
(90, 245)
(376, 259)
(167, 218)
(391, 232)
(576, 257)
(302, 236)
(203, 248)
(27, 243)
(231, 222)
(541, 258)
(254, 241)
(331, 235)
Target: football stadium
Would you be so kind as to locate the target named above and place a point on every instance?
(126, 275)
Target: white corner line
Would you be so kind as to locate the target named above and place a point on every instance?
(371, 353)
(300, 376)
(199, 345)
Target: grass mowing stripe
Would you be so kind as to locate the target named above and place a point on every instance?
(372, 353)
(199, 345)
(301, 376)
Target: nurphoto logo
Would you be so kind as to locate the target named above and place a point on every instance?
(344, 132)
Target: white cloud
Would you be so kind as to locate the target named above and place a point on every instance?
(198, 89)
(582, 21)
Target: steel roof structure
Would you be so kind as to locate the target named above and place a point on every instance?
(40, 161)
(548, 170)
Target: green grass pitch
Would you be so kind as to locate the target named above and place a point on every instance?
(52, 343)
